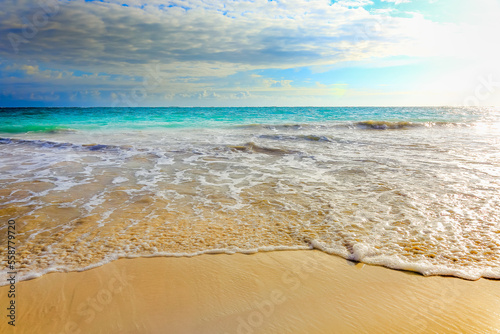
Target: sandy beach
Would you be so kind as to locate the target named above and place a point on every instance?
(249, 167)
(275, 292)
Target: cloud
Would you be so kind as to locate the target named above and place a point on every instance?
(31, 70)
(44, 97)
(104, 35)
(196, 45)
(397, 2)
(270, 83)
(354, 3)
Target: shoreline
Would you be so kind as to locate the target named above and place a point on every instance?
(303, 291)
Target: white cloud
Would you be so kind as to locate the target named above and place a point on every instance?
(223, 37)
(397, 2)
(354, 3)
(270, 83)
(196, 39)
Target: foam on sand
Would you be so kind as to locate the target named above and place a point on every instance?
(276, 292)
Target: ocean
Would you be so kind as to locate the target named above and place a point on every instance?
(407, 188)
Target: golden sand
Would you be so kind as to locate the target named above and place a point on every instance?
(275, 292)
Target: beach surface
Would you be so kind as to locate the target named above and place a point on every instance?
(273, 292)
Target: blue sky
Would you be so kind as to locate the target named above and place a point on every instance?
(249, 53)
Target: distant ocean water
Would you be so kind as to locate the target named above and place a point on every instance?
(408, 188)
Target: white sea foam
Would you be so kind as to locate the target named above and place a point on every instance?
(424, 200)
(119, 179)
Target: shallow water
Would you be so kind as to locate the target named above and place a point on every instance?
(408, 188)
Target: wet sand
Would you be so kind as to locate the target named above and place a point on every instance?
(275, 292)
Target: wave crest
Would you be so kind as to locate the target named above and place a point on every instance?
(52, 144)
(254, 148)
(52, 129)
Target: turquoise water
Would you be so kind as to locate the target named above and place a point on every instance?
(53, 119)
(407, 188)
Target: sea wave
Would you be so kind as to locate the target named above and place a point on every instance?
(373, 192)
(254, 148)
(61, 145)
(275, 127)
(35, 128)
(314, 138)
(386, 125)
(402, 125)
(359, 125)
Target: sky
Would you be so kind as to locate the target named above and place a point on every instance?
(249, 53)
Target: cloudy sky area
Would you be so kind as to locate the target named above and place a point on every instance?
(249, 52)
